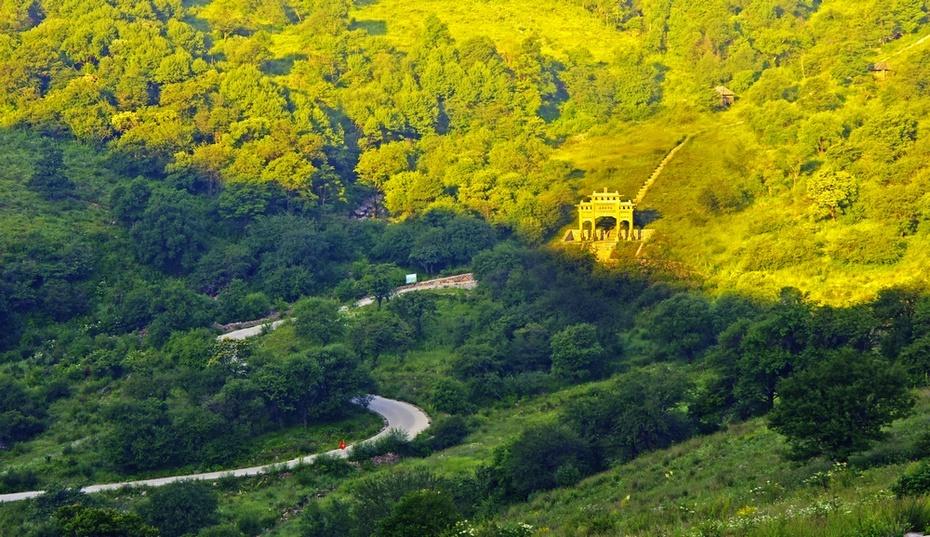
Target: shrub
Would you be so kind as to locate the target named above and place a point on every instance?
(915, 482)
(921, 447)
(424, 513)
(180, 508)
(225, 530)
(533, 461)
(450, 396)
(318, 320)
(395, 441)
(640, 412)
(82, 521)
(329, 465)
(252, 522)
(868, 248)
(16, 479)
(528, 383)
(567, 475)
(576, 353)
(915, 358)
(378, 331)
(446, 433)
(467, 528)
(327, 518)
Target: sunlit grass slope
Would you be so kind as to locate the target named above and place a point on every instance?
(561, 26)
(736, 482)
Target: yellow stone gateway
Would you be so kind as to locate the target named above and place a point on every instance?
(604, 220)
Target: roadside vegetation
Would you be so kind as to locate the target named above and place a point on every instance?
(168, 167)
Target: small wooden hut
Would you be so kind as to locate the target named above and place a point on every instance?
(726, 95)
(881, 70)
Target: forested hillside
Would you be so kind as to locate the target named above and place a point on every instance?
(171, 166)
(437, 108)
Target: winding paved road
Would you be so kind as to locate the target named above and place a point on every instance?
(461, 281)
(397, 415)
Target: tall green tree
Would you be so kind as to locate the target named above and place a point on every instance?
(577, 354)
(840, 405)
(319, 320)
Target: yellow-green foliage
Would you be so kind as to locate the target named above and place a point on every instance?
(561, 25)
(513, 109)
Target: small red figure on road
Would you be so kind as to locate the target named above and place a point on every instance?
(342, 444)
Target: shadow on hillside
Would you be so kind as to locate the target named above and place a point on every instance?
(371, 27)
(644, 217)
(282, 66)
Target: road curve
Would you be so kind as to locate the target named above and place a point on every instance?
(397, 415)
(460, 281)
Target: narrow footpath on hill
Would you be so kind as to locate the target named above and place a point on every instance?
(658, 171)
(398, 415)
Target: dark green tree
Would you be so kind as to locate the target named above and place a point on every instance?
(379, 331)
(180, 508)
(171, 232)
(319, 320)
(381, 281)
(415, 309)
(49, 178)
(681, 327)
(576, 353)
(426, 513)
(640, 412)
(530, 462)
(839, 406)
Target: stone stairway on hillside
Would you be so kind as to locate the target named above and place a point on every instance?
(658, 171)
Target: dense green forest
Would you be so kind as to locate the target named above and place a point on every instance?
(168, 167)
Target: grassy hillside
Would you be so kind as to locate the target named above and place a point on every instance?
(736, 482)
(166, 166)
(562, 26)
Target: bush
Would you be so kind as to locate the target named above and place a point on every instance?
(16, 480)
(82, 521)
(329, 465)
(225, 530)
(424, 513)
(451, 396)
(252, 522)
(327, 518)
(567, 475)
(921, 447)
(536, 459)
(379, 331)
(489, 529)
(180, 508)
(915, 482)
(640, 412)
(529, 383)
(915, 358)
(868, 247)
(395, 441)
(576, 353)
(318, 320)
(446, 433)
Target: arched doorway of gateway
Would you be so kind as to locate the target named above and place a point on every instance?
(587, 230)
(605, 228)
(624, 229)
